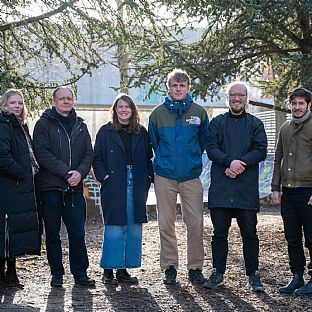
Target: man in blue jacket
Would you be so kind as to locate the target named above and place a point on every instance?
(237, 142)
(178, 133)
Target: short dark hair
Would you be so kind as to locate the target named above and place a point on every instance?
(179, 75)
(59, 88)
(302, 92)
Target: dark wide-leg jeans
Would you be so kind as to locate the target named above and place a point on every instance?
(247, 221)
(71, 208)
(297, 218)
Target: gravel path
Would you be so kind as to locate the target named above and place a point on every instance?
(150, 294)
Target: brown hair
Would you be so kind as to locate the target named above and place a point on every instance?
(179, 75)
(134, 125)
(302, 92)
(5, 97)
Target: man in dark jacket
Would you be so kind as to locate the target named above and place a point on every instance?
(64, 152)
(178, 133)
(236, 144)
(292, 187)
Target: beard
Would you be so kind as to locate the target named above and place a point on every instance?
(299, 113)
(238, 110)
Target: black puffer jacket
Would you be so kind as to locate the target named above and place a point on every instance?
(57, 152)
(18, 212)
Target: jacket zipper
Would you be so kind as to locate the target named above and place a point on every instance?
(6, 237)
(69, 142)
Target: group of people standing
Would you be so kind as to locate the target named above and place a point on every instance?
(61, 155)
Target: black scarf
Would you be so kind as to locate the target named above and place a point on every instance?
(68, 121)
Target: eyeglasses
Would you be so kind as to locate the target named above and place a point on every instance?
(234, 95)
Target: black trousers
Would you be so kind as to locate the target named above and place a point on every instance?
(71, 208)
(297, 218)
(247, 222)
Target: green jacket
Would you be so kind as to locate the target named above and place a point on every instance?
(293, 156)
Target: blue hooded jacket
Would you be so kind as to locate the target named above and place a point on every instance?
(178, 133)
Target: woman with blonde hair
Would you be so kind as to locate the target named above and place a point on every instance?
(18, 166)
(123, 166)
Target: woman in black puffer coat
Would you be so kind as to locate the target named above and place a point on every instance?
(18, 212)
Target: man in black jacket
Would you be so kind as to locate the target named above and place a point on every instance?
(236, 144)
(64, 152)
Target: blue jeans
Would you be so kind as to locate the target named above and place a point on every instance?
(297, 218)
(247, 221)
(122, 245)
(71, 208)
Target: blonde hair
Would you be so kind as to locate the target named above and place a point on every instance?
(179, 75)
(5, 97)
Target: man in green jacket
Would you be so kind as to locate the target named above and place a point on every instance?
(292, 187)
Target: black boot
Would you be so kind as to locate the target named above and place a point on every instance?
(304, 290)
(255, 282)
(10, 275)
(108, 277)
(296, 282)
(2, 275)
(307, 288)
(124, 277)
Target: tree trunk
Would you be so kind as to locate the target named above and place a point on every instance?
(122, 56)
(280, 118)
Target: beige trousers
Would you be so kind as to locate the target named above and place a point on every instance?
(191, 194)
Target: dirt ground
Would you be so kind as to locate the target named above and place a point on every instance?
(151, 294)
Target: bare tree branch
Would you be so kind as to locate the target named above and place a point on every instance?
(36, 18)
(270, 106)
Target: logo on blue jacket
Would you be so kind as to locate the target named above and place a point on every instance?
(193, 120)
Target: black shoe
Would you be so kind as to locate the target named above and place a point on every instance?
(196, 276)
(2, 280)
(124, 277)
(170, 275)
(56, 281)
(304, 290)
(85, 281)
(296, 282)
(11, 278)
(108, 277)
(2, 274)
(255, 283)
(214, 280)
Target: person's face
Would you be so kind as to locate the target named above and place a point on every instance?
(63, 101)
(123, 111)
(178, 90)
(15, 104)
(299, 106)
(237, 98)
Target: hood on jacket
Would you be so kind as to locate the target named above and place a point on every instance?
(176, 106)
